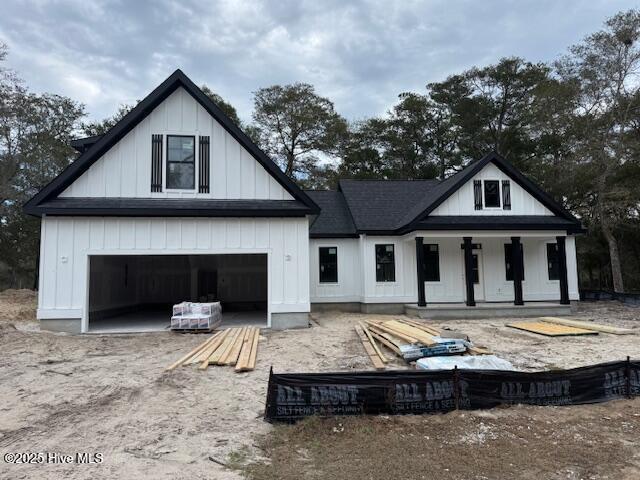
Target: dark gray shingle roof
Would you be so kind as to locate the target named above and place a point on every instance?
(381, 205)
(334, 218)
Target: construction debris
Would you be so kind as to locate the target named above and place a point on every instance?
(588, 326)
(411, 340)
(232, 346)
(551, 329)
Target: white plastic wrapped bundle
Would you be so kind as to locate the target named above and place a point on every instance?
(468, 362)
(196, 316)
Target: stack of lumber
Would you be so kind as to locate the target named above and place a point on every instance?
(596, 327)
(236, 347)
(397, 334)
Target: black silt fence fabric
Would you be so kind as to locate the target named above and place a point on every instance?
(294, 396)
(634, 378)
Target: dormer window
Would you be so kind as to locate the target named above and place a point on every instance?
(181, 171)
(491, 194)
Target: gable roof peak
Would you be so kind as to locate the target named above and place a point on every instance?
(450, 185)
(177, 79)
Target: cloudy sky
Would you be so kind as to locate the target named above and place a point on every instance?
(359, 53)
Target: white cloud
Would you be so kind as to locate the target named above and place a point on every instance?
(360, 53)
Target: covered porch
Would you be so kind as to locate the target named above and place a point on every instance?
(476, 274)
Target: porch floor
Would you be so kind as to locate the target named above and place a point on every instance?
(443, 311)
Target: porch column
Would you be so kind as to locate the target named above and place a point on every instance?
(516, 267)
(420, 271)
(468, 270)
(562, 265)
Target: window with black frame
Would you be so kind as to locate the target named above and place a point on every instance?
(553, 261)
(491, 193)
(328, 257)
(431, 263)
(181, 172)
(508, 248)
(385, 263)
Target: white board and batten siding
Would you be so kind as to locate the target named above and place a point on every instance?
(348, 288)
(125, 170)
(68, 241)
(462, 202)
(357, 272)
(357, 278)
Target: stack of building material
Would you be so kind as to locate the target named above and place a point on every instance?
(191, 316)
(412, 340)
(232, 346)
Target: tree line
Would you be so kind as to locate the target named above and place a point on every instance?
(572, 125)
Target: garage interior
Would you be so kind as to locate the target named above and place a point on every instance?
(135, 293)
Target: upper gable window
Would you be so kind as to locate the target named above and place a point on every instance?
(181, 154)
(492, 194)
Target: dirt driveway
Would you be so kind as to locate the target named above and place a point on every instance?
(109, 394)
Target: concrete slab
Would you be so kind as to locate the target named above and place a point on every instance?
(444, 311)
(156, 321)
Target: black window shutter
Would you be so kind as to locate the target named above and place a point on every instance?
(477, 193)
(203, 176)
(506, 195)
(156, 163)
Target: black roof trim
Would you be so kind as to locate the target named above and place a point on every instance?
(83, 144)
(498, 222)
(333, 235)
(455, 182)
(136, 115)
(152, 207)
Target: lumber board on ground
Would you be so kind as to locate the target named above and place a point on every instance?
(197, 358)
(383, 333)
(394, 332)
(232, 356)
(375, 359)
(550, 329)
(430, 330)
(385, 341)
(373, 342)
(225, 347)
(193, 352)
(203, 358)
(588, 325)
(253, 355)
(245, 350)
(478, 350)
(422, 336)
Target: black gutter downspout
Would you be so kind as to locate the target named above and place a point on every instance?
(420, 271)
(562, 265)
(468, 271)
(517, 267)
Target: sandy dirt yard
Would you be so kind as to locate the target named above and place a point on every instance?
(109, 394)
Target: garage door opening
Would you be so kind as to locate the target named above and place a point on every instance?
(136, 292)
